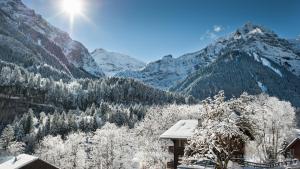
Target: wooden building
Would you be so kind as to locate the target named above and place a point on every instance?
(179, 134)
(293, 149)
(24, 161)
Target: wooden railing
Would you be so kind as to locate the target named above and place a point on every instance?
(244, 163)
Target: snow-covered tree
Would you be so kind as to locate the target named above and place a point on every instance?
(276, 121)
(224, 130)
(75, 155)
(16, 148)
(51, 149)
(152, 152)
(7, 136)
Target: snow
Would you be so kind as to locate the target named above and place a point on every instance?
(279, 55)
(39, 42)
(256, 31)
(236, 37)
(22, 160)
(194, 167)
(262, 87)
(112, 63)
(256, 57)
(267, 63)
(182, 129)
(168, 71)
(295, 44)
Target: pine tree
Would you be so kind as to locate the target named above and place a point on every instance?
(95, 122)
(28, 125)
(47, 128)
(7, 136)
(82, 124)
(72, 122)
(55, 124)
(19, 131)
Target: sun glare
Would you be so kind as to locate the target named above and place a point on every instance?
(72, 7)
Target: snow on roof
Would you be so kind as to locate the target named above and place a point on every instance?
(22, 160)
(183, 129)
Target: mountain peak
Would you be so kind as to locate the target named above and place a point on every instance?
(167, 57)
(99, 50)
(250, 29)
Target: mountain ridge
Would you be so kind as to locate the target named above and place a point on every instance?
(250, 38)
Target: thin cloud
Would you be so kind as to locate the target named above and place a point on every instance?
(213, 33)
(218, 28)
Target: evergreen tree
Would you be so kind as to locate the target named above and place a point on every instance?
(55, 124)
(95, 122)
(72, 122)
(19, 131)
(47, 128)
(7, 136)
(28, 125)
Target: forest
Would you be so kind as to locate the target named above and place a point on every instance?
(100, 137)
(21, 90)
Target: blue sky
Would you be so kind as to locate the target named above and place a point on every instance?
(150, 29)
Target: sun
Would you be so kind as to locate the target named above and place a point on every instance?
(72, 7)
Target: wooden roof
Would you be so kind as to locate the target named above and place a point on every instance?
(25, 161)
(293, 143)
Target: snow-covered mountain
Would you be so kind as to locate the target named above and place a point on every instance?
(112, 63)
(169, 71)
(254, 60)
(295, 45)
(255, 40)
(26, 39)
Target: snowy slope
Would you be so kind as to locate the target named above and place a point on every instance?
(254, 60)
(295, 45)
(112, 62)
(169, 71)
(256, 40)
(33, 41)
(236, 72)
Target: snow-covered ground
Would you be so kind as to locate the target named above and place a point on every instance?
(18, 162)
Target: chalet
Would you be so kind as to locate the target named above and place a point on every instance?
(179, 134)
(24, 161)
(293, 149)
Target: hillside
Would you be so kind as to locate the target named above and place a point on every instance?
(26, 39)
(236, 72)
